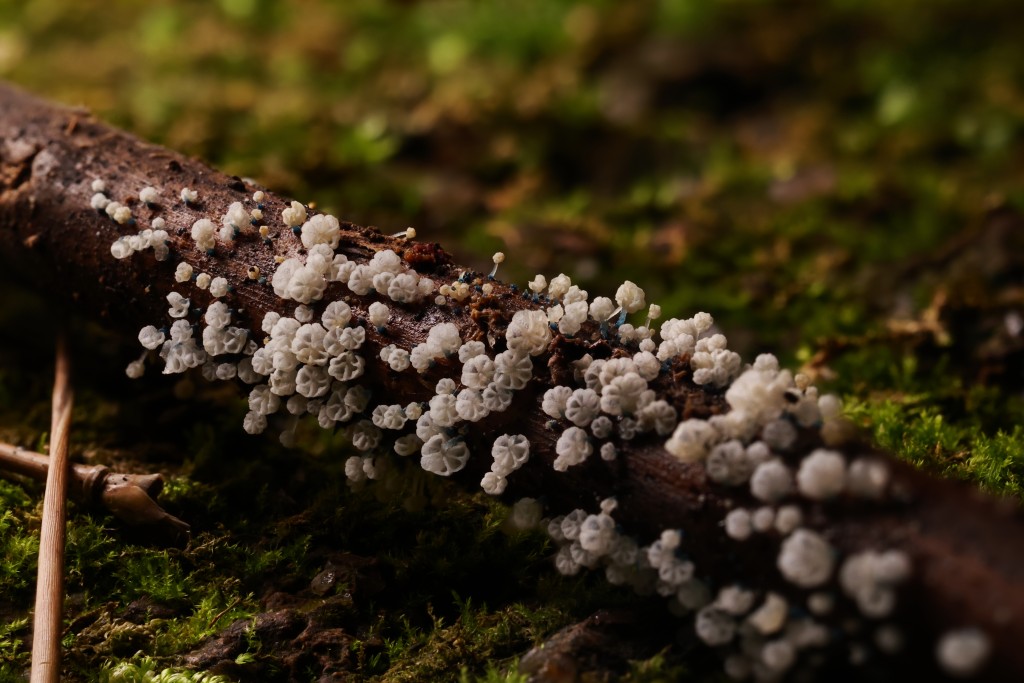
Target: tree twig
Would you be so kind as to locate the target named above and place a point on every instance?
(129, 497)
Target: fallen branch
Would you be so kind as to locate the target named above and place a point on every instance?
(129, 497)
(958, 611)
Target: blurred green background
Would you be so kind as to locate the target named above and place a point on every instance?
(764, 161)
(837, 182)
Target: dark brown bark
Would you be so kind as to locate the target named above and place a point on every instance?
(967, 557)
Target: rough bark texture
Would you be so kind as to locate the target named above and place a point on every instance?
(968, 564)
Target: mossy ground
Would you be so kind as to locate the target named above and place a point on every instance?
(837, 182)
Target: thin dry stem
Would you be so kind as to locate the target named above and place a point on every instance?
(50, 584)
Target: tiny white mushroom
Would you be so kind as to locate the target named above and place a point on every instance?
(203, 231)
(183, 272)
(294, 215)
(822, 474)
(572, 447)
(493, 483)
(442, 456)
(770, 617)
(528, 332)
(407, 445)
(559, 286)
(629, 297)
(582, 406)
(121, 248)
(806, 559)
(963, 652)
(378, 315)
(735, 600)
(868, 478)
(121, 215)
(512, 370)
(771, 481)
(526, 514)
(150, 337)
(388, 416)
(553, 403)
(148, 195)
(787, 519)
(763, 518)
(217, 315)
(510, 452)
(365, 435)
(738, 525)
(179, 305)
(99, 201)
(691, 440)
(478, 371)
(470, 406)
(219, 287)
(715, 626)
(346, 367)
(498, 259)
(336, 314)
(320, 229)
(135, 369)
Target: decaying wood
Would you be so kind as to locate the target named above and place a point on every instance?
(966, 551)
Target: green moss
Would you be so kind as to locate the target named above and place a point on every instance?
(146, 670)
(13, 655)
(657, 669)
(495, 674)
(18, 551)
(13, 496)
(89, 550)
(477, 640)
(921, 434)
(156, 575)
(217, 605)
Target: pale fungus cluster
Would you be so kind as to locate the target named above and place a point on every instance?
(344, 309)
